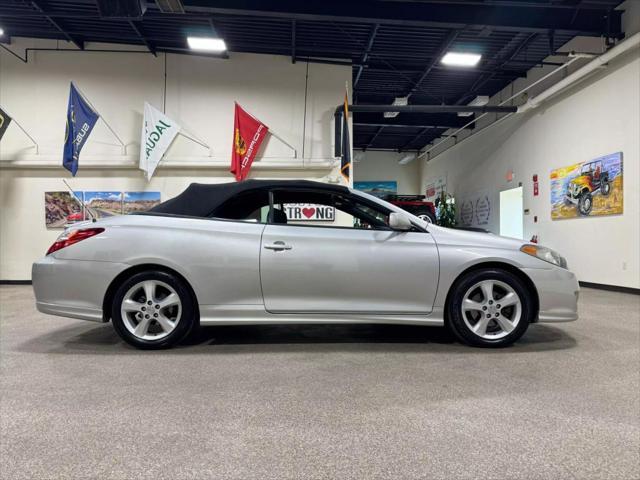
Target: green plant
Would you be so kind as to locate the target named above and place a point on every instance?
(445, 210)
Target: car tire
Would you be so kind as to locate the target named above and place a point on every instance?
(605, 188)
(585, 203)
(486, 322)
(153, 310)
(425, 215)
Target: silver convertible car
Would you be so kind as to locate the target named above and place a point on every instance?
(231, 253)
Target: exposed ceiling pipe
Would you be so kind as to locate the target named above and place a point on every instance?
(592, 66)
(581, 73)
(427, 152)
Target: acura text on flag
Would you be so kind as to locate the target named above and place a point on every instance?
(81, 119)
(158, 132)
(248, 135)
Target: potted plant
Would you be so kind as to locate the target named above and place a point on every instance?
(445, 210)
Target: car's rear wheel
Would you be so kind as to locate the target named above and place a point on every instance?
(489, 308)
(605, 188)
(152, 310)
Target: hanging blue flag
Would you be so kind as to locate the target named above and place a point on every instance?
(81, 119)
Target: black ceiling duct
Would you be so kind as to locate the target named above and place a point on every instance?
(126, 9)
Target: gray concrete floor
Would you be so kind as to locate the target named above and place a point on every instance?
(321, 401)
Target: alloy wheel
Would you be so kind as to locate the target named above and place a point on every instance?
(491, 309)
(151, 310)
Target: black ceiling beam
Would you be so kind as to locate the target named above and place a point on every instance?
(415, 139)
(293, 41)
(365, 55)
(373, 138)
(416, 120)
(391, 125)
(136, 27)
(42, 8)
(427, 109)
(444, 47)
(483, 79)
(423, 14)
(571, 5)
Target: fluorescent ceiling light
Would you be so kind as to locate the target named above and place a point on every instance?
(460, 59)
(399, 101)
(410, 157)
(207, 44)
(479, 101)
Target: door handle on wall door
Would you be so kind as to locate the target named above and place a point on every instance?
(277, 246)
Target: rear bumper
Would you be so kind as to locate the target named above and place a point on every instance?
(558, 292)
(72, 288)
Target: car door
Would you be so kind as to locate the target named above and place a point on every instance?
(333, 270)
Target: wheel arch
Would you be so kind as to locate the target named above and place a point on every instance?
(122, 276)
(502, 266)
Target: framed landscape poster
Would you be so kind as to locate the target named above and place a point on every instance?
(139, 201)
(378, 188)
(60, 209)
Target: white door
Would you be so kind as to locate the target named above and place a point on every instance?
(512, 213)
(341, 270)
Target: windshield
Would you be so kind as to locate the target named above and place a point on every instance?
(587, 169)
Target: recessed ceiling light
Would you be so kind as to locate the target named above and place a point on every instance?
(207, 44)
(1, 32)
(399, 101)
(460, 59)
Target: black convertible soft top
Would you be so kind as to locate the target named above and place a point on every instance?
(202, 199)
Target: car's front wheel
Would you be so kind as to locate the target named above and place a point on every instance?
(489, 308)
(152, 310)
(585, 203)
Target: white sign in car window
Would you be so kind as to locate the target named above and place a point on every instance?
(309, 212)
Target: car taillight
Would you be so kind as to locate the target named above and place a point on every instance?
(74, 236)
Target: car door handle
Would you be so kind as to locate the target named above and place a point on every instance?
(277, 246)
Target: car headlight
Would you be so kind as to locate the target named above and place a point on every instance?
(544, 253)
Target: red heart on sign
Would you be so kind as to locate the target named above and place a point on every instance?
(308, 212)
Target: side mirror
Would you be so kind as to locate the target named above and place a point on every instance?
(400, 222)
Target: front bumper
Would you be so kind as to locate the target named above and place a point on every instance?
(558, 292)
(73, 288)
(570, 199)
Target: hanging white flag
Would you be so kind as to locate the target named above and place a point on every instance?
(158, 131)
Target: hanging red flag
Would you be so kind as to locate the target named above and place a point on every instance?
(248, 134)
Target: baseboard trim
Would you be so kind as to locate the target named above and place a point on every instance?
(15, 282)
(611, 288)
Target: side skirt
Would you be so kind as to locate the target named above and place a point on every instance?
(256, 315)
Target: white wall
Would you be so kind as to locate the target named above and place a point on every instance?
(200, 96)
(597, 117)
(379, 165)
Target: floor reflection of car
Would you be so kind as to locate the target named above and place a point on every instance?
(228, 254)
(592, 179)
